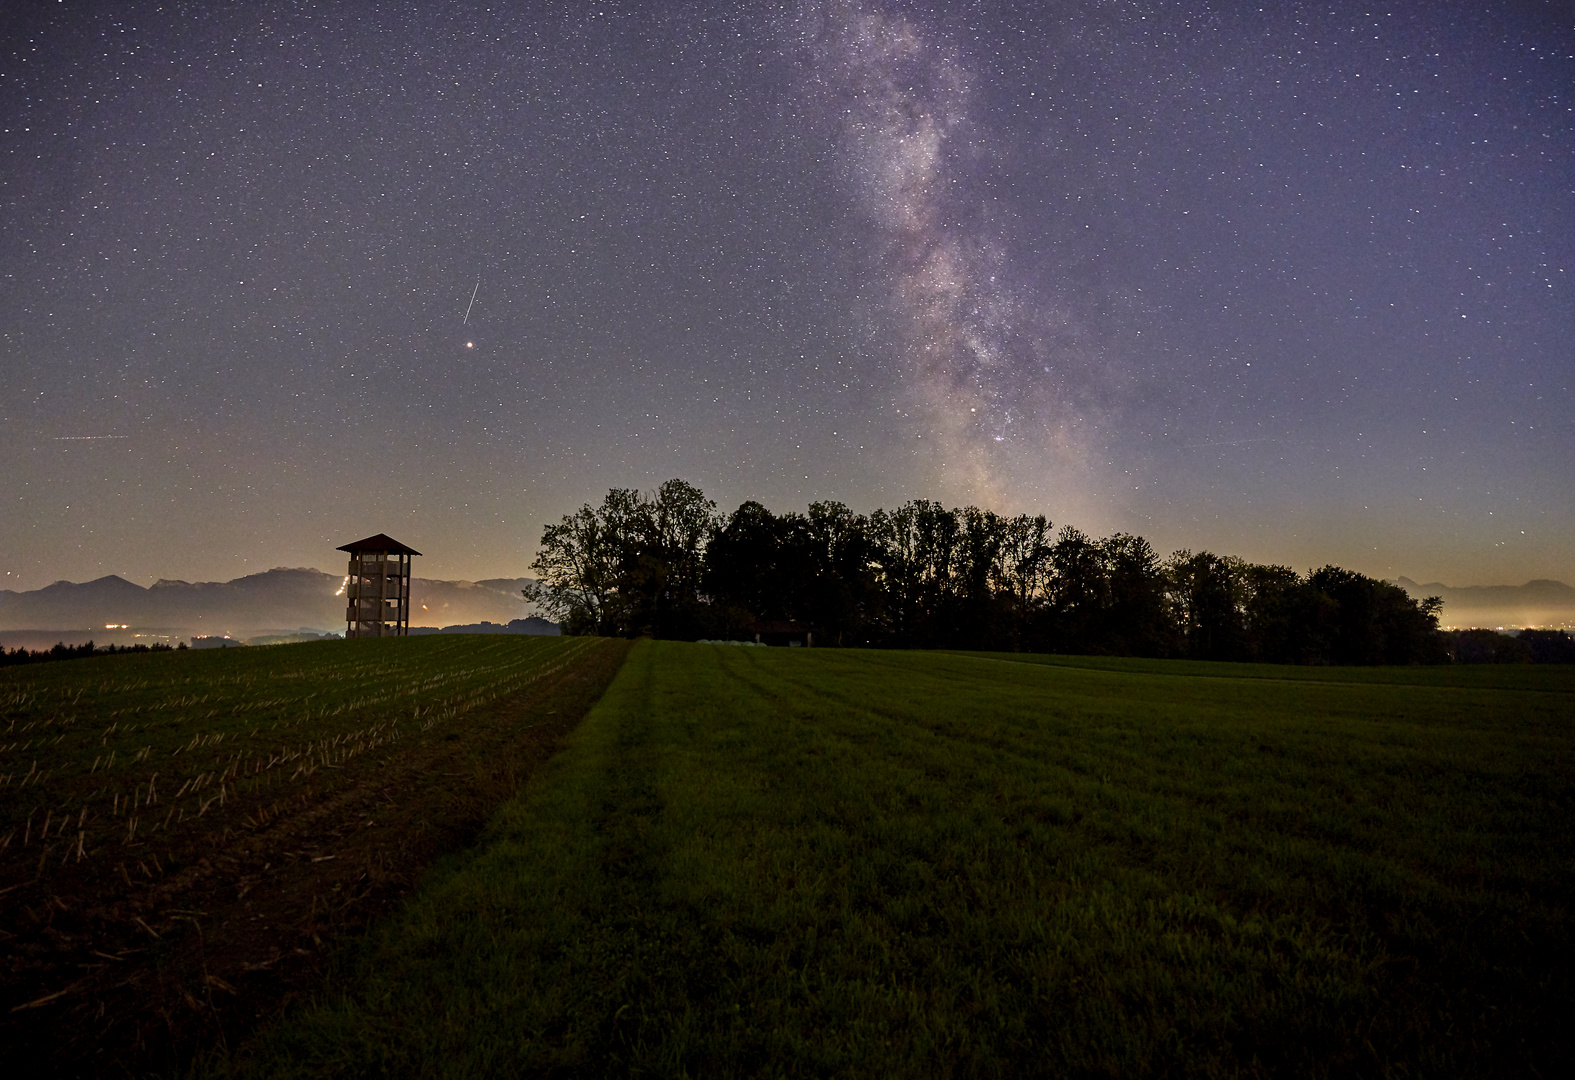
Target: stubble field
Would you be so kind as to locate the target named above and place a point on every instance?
(183, 836)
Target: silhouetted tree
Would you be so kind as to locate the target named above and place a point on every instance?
(742, 574)
(1135, 619)
(1024, 576)
(976, 617)
(61, 651)
(1486, 647)
(577, 571)
(894, 536)
(1287, 620)
(1379, 623)
(661, 558)
(845, 594)
(1206, 596)
(632, 566)
(1549, 646)
(1076, 595)
(924, 576)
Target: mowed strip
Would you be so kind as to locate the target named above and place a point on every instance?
(228, 814)
(789, 862)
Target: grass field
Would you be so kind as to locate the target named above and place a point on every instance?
(183, 834)
(768, 862)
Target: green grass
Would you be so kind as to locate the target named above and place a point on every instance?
(783, 862)
(1554, 678)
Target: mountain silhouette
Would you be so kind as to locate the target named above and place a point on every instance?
(280, 599)
(1541, 602)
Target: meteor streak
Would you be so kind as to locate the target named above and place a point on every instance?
(472, 303)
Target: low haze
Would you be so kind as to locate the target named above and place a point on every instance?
(1289, 282)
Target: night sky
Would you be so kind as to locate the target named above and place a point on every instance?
(1290, 282)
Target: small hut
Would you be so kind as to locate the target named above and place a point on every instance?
(377, 592)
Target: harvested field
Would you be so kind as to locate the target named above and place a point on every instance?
(184, 835)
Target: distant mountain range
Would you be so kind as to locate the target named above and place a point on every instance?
(1536, 603)
(276, 601)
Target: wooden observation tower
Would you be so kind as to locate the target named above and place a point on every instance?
(377, 592)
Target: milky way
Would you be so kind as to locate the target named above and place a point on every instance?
(987, 376)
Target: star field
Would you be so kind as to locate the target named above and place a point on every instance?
(1292, 283)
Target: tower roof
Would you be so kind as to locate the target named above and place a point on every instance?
(380, 542)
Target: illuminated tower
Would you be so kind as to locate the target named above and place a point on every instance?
(377, 592)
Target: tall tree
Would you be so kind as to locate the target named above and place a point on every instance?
(631, 566)
(1025, 573)
(577, 569)
(936, 531)
(895, 538)
(1287, 620)
(846, 600)
(742, 575)
(1206, 595)
(1076, 593)
(663, 557)
(978, 619)
(1135, 620)
(1379, 623)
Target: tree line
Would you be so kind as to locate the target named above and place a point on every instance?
(667, 564)
(62, 651)
(1522, 647)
